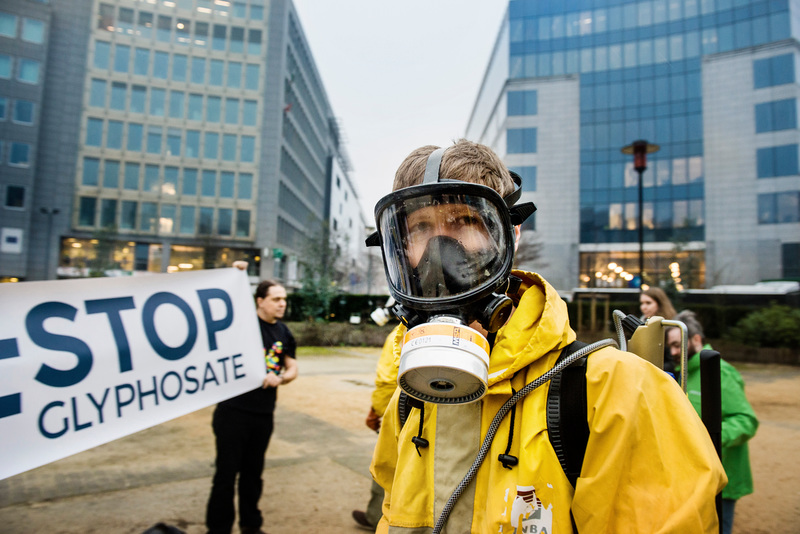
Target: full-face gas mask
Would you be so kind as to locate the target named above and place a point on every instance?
(448, 247)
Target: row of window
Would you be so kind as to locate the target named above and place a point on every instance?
(663, 214)
(644, 92)
(167, 180)
(27, 70)
(15, 153)
(173, 142)
(521, 141)
(657, 51)
(29, 30)
(179, 30)
(181, 68)
(626, 17)
(22, 111)
(522, 103)
(776, 115)
(777, 208)
(174, 104)
(772, 71)
(163, 219)
(610, 135)
(777, 161)
(660, 173)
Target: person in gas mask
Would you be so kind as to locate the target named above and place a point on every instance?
(477, 333)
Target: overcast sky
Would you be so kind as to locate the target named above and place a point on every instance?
(399, 75)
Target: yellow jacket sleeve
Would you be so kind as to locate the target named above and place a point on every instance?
(386, 371)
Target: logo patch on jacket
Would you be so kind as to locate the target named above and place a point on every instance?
(528, 516)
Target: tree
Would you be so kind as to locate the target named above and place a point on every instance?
(529, 252)
(319, 275)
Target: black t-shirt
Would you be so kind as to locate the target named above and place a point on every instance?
(279, 344)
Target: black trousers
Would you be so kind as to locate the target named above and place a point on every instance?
(242, 440)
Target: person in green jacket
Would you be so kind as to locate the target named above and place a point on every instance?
(739, 422)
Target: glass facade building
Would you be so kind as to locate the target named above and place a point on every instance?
(712, 82)
(175, 135)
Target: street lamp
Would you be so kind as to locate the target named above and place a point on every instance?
(640, 149)
(49, 213)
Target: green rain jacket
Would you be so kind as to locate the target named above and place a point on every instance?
(739, 424)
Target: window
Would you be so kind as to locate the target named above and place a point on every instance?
(248, 148)
(32, 30)
(195, 112)
(192, 144)
(521, 140)
(777, 70)
(251, 77)
(226, 181)
(131, 180)
(776, 208)
(125, 20)
(522, 103)
(19, 155)
(166, 223)
(254, 42)
(23, 112)
(245, 191)
(179, 68)
(183, 30)
(189, 182)
(198, 70)
(528, 175)
(122, 55)
(213, 108)
(119, 92)
(249, 112)
(201, 33)
(15, 196)
(108, 212)
(777, 161)
(790, 254)
(231, 111)
(114, 135)
(154, 139)
(150, 179)
(211, 145)
(138, 96)
(229, 147)
(237, 39)
(242, 223)
(111, 174)
(170, 186)
(28, 71)
(127, 216)
(187, 219)
(206, 222)
(215, 72)
(224, 221)
(141, 61)
(5, 66)
(219, 37)
(94, 132)
(776, 115)
(135, 133)
(208, 187)
(148, 220)
(173, 142)
(8, 25)
(157, 96)
(160, 65)
(256, 12)
(164, 29)
(234, 74)
(176, 104)
(3, 107)
(105, 17)
(239, 9)
(144, 25)
(86, 211)
(102, 53)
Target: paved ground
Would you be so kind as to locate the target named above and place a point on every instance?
(317, 463)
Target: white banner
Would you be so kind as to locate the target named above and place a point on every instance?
(84, 362)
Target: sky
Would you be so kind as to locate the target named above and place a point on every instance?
(399, 75)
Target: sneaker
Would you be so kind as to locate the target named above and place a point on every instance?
(361, 521)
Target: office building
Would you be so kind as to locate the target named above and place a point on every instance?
(713, 83)
(166, 136)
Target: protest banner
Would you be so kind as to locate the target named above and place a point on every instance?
(84, 362)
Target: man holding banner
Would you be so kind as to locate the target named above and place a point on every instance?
(243, 425)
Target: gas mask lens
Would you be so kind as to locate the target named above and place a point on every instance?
(442, 245)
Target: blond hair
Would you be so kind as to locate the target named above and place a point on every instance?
(465, 161)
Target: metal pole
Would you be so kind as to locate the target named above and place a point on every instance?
(641, 230)
(50, 213)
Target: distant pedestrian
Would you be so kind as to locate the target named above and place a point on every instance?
(243, 425)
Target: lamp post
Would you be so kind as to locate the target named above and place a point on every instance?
(50, 213)
(640, 149)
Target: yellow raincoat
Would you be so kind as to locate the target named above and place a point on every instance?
(649, 465)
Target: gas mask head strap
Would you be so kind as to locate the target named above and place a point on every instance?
(432, 166)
